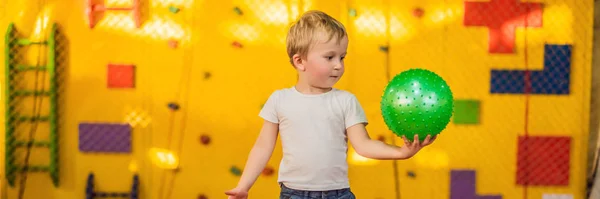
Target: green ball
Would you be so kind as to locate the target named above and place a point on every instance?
(417, 101)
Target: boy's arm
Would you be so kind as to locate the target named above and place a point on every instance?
(375, 149)
(259, 155)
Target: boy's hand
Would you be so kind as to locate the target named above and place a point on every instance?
(410, 149)
(237, 193)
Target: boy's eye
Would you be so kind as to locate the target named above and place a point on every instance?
(330, 57)
(342, 58)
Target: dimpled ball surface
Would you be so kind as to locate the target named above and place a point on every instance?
(417, 101)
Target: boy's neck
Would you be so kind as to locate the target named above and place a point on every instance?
(310, 90)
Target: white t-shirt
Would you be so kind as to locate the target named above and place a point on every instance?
(313, 135)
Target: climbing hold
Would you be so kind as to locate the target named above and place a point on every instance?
(268, 171)
(173, 9)
(418, 12)
(238, 11)
(173, 106)
(384, 48)
(202, 196)
(352, 12)
(207, 75)
(173, 43)
(205, 139)
(237, 44)
(235, 171)
(411, 174)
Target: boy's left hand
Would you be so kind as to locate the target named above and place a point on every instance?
(410, 149)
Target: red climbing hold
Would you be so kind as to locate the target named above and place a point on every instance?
(202, 196)
(205, 139)
(173, 43)
(237, 44)
(418, 12)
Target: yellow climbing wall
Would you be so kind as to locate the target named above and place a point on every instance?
(228, 61)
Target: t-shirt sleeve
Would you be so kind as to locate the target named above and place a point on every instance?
(354, 112)
(269, 109)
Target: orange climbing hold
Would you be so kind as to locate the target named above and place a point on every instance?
(268, 171)
(418, 12)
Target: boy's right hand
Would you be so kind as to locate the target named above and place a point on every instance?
(237, 193)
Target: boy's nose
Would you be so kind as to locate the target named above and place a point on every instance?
(338, 66)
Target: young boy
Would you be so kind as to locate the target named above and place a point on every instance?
(315, 120)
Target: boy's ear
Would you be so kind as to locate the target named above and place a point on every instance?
(298, 62)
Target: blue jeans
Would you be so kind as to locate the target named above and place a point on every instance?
(288, 193)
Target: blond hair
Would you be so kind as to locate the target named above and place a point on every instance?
(302, 33)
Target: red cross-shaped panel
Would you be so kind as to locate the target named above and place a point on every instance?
(502, 17)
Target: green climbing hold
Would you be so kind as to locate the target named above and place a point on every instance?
(235, 171)
(417, 101)
(238, 11)
(173, 9)
(352, 12)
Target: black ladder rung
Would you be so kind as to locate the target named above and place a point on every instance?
(26, 67)
(33, 119)
(29, 93)
(34, 143)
